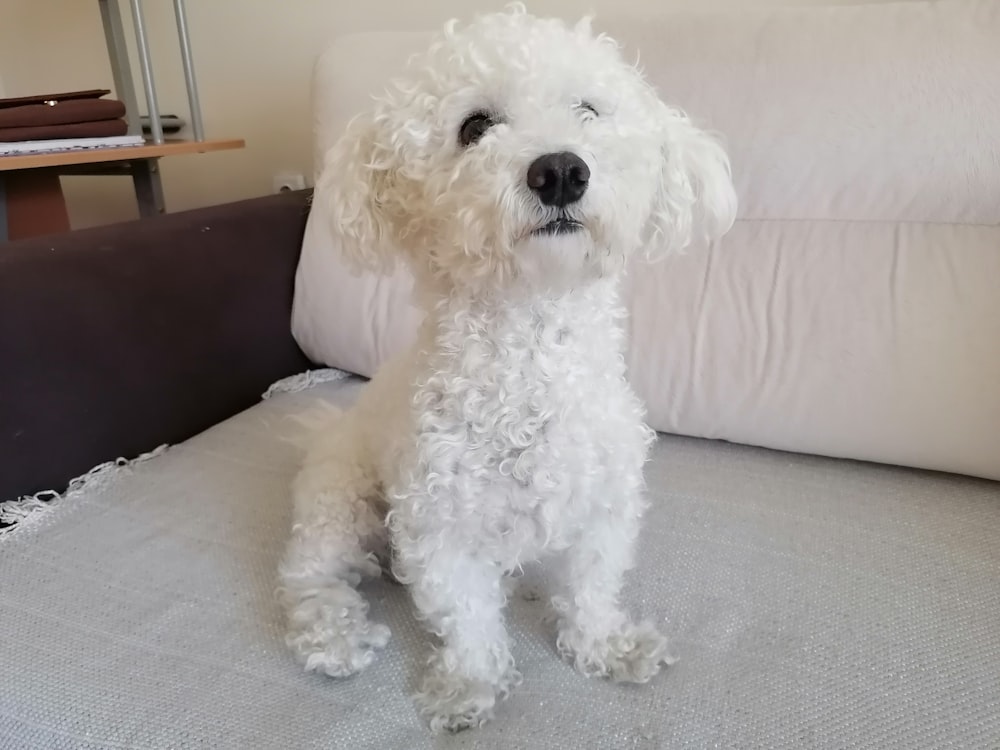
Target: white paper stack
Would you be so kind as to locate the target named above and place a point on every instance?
(68, 144)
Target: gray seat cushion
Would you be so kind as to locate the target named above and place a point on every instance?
(812, 603)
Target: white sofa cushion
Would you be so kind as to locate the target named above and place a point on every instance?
(853, 309)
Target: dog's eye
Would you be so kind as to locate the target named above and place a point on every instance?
(474, 127)
(588, 110)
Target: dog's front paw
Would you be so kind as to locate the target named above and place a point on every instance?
(452, 702)
(632, 653)
(329, 632)
(338, 653)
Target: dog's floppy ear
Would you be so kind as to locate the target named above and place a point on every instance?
(356, 180)
(696, 194)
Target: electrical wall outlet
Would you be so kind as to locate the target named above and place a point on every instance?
(284, 182)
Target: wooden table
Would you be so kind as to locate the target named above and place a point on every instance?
(31, 198)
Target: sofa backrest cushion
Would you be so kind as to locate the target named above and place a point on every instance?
(854, 308)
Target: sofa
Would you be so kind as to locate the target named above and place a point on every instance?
(821, 545)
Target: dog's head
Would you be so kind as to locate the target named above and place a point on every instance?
(522, 150)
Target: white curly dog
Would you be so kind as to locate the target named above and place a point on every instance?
(515, 168)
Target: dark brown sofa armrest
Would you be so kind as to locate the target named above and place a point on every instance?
(117, 339)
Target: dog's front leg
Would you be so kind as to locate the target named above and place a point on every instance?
(461, 597)
(594, 630)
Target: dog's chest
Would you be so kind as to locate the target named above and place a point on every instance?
(521, 384)
(522, 419)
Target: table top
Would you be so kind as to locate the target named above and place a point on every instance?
(125, 153)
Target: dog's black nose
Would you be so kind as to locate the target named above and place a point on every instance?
(559, 179)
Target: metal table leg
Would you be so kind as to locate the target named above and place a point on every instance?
(192, 86)
(114, 35)
(121, 69)
(148, 188)
(146, 66)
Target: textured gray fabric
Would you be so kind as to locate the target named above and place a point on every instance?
(812, 603)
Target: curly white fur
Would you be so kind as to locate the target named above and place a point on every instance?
(509, 432)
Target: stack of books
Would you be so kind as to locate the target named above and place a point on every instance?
(63, 122)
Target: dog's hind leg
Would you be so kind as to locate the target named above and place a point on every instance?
(337, 526)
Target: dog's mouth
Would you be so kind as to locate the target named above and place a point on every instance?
(562, 225)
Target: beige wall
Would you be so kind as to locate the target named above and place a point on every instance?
(253, 59)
